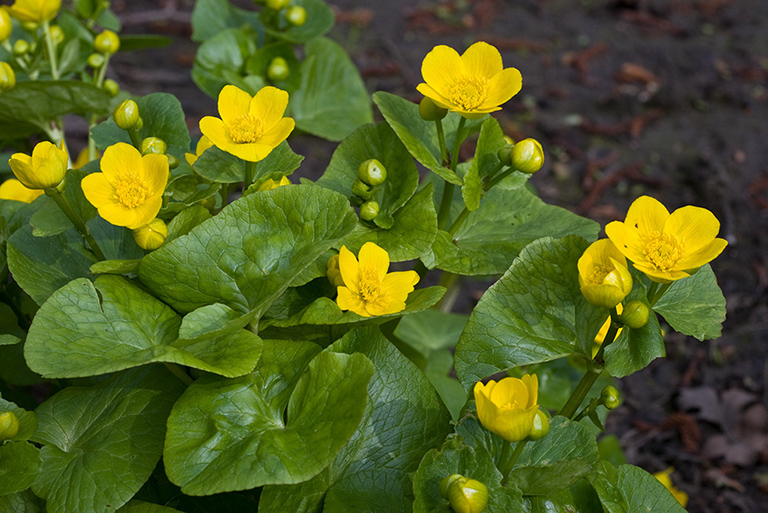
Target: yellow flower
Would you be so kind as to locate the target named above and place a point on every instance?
(508, 407)
(666, 247)
(270, 184)
(36, 11)
(603, 274)
(368, 290)
(250, 127)
(14, 190)
(129, 190)
(45, 169)
(203, 144)
(472, 84)
(663, 476)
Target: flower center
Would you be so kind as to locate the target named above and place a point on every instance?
(663, 250)
(131, 191)
(469, 92)
(246, 129)
(599, 273)
(370, 285)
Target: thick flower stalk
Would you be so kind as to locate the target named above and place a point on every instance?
(250, 127)
(368, 289)
(666, 247)
(604, 277)
(508, 407)
(129, 190)
(14, 190)
(36, 11)
(472, 84)
(45, 169)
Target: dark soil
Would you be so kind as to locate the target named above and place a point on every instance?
(628, 97)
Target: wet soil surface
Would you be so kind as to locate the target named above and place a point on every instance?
(628, 97)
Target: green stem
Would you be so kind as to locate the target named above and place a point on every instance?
(250, 173)
(508, 463)
(445, 205)
(592, 406)
(458, 222)
(179, 373)
(496, 179)
(441, 140)
(452, 282)
(652, 290)
(51, 50)
(457, 143)
(657, 295)
(135, 138)
(65, 207)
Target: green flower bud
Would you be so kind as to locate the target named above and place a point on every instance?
(372, 172)
(369, 210)
(635, 315)
(126, 115)
(527, 156)
(153, 145)
(445, 484)
(7, 77)
(107, 43)
(20, 48)
(57, 35)
(468, 495)
(540, 426)
(609, 397)
(151, 236)
(9, 425)
(277, 4)
(6, 27)
(333, 273)
(95, 60)
(139, 124)
(111, 87)
(429, 110)
(278, 70)
(173, 162)
(296, 15)
(29, 26)
(361, 189)
(509, 140)
(505, 155)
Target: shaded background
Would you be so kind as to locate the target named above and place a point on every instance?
(628, 97)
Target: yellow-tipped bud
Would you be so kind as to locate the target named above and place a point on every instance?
(635, 314)
(151, 236)
(467, 495)
(126, 115)
(540, 426)
(7, 77)
(369, 210)
(278, 70)
(153, 145)
(277, 4)
(333, 273)
(9, 425)
(111, 87)
(20, 48)
(527, 156)
(107, 43)
(609, 397)
(296, 15)
(270, 184)
(57, 34)
(372, 172)
(96, 60)
(430, 111)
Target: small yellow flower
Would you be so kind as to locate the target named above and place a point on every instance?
(508, 407)
(666, 247)
(368, 290)
(36, 11)
(250, 127)
(203, 144)
(14, 190)
(152, 235)
(472, 84)
(270, 184)
(129, 190)
(604, 277)
(680, 495)
(45, 169)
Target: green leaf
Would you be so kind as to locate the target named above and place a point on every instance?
(485, 163)
(579, 498)
(226, 435)
(319, 21)
(332, 100)
(493, 235)
(694, 305)
(19, 466)
(22, 502)
(634, 349)
(18, 213)
(101, 443)
(431, 330)
(116, 242)
(248, 254)
(219, 166)
(186, 190)
(185, 220)
(629, 489)
(116, 266)
(135, 506)
(210, 17)
(534, 313)
(85, 329)
(50, 220)
(403, 420)
(221, 60)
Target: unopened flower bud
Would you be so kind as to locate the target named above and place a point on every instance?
(95, 60)
(7, 77)
(445, 484)
(111, 87)
(333, 273)
(29, 26)
(635, 315)
(151, 236)
(372, 172)
(296, 15)
(609, 397)
(173, 162)
(278, 70)
(153, 145)
(9, 425)
(430, 111)
(468, 495)
(107, 43)
(126, 115)
(361, 189)
(527, 156)
(20, 48)
(505, 155)
(369, 210)
(57, 35)
(540, 426)
(509, 140)
(6, 27)
(277, 4)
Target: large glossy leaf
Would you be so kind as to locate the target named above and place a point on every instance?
(50, 220)
(281, 424)
(22, 502)
(222, 167)
(628, 489)
(221, 60)
(101, 443)
(246, 256)
(135, 506)
(19, 466)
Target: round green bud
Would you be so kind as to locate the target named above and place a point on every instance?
(505, 155)
(296, 15)
(509, 140)
(445, 484)
(57, 34)
(126, 115)
(7, 77)
(152, 235)
(96, 60)
(277, 5)
(153, 145)
(9, 425)
(527, 156)
(107, 43)
(6, 27)
(430, 111)
(372, 172)
(20, 47)
(278, 70)
(361, 189)
(635, 315)
(29, 26)
(609, 397)
(369, 210)
(468, 496)
(173, 162)
(540, 426)
(111, 87)
(139, 124)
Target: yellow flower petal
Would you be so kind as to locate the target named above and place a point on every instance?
(514, 425)
(531, 382)
(482, 60)
(348, 300)
(627, 240)
(440, 100)
(704, 255)
(233, 102)
(349, 269)
(510, 391)
(278, 133)
(647, 215)
(97, 189)
(120, 159)
(440, 68)
(374, 257)
(269, 105)
(216, 131)
(694, 226)
(14, 190)
(503, 86)
(155, 169)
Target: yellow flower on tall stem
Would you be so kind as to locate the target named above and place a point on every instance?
(508, 407)
(250, 127)
(45, 169)
(14, 190)
(368, 289)
(129, 190)
(36, 11)
(472, 84)
(666, 247)
(604, 277)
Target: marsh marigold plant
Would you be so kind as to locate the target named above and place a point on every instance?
(666, 247)
(472, 84)
(44, 169)
(508, 407)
